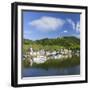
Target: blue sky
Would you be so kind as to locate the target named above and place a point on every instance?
(39, 25)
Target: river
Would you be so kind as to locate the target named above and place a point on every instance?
(33, 72)
(54, 69)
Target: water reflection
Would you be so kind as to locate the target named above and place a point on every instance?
(52, 71)
(33, 72)
(42, 59)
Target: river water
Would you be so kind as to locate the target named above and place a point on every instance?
(33, 72)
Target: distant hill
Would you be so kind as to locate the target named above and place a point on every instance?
(57, 43)
(64, 41)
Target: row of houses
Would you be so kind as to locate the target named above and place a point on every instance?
(42, 56)
(47, 53)
(42, 52)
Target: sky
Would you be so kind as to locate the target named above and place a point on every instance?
(38, 25)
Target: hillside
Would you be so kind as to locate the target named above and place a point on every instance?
(52, 44)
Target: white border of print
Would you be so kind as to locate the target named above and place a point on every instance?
(30, 80)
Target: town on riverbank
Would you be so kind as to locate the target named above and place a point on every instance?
(48, 50)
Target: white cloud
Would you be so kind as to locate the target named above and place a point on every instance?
(65, 31)
(46, 23)
(78, 27)
(70, 21)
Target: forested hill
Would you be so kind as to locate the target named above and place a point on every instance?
(59, 41)
(64, 42)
